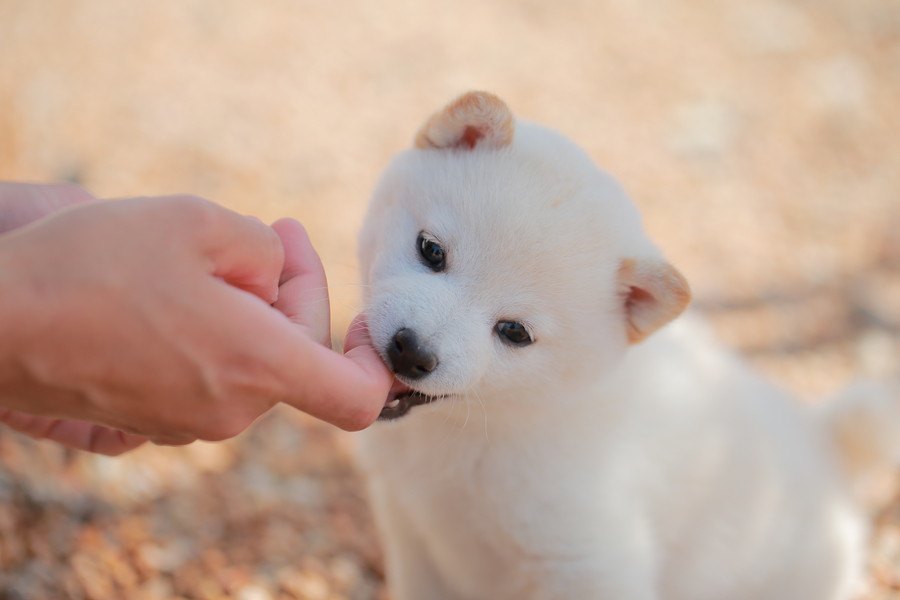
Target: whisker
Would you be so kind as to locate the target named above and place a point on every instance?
(468, 411)
(447, 436)
(484, 412)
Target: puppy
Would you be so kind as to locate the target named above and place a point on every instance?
(548, 437)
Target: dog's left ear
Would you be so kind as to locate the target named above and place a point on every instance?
(653, 293)
(474, 119)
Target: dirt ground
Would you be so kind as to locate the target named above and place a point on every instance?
(759, 138)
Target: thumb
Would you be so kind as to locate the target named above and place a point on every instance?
(348, 391)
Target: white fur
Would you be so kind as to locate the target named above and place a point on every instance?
(579, 467)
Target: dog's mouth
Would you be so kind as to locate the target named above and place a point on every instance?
(401, 399)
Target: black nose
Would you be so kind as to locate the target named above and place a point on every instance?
(409, 357)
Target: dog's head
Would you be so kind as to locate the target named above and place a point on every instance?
(499, 260)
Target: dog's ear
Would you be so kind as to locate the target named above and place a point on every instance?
(653, 293)
(474, 119)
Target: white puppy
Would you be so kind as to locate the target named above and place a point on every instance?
(553, 447)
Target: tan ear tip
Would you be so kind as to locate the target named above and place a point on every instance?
(474, 117)
(681, 288)
(654, 293)
(477, 98)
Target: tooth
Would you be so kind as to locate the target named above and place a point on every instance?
(392, 403)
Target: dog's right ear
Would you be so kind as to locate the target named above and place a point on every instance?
(653, 293)
(474, 119)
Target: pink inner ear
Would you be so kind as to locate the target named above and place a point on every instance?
(471, 136)
(637, 297)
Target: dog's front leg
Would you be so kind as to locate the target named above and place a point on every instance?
(618, 561)
(616, 580)
(411, 574)
(629, 584)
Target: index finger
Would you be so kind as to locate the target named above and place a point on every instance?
(288, 366)
(346, 390)
(303, 288)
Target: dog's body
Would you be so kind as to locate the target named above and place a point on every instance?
(573, 458)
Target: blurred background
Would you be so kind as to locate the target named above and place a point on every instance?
(761, 140)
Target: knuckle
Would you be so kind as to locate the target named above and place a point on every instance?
(302, 233)
(298, 229)
(304, 240)
(272, 243)
(192, 210)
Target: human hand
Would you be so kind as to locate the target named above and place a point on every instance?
(168, 299)
(20, 204)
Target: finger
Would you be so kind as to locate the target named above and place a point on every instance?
(93, 438)
(288, 366)
(248, 254)
(243, 251)
(346, 390)
(79, 435)
(113, 442)
(23, 422)
(22, 203)
(357, 334)
(303, 290)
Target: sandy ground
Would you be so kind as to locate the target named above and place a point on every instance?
(760, 139)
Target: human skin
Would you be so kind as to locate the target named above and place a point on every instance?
(170, 319)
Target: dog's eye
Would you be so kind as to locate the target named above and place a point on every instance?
(514, 333)
(432, 253)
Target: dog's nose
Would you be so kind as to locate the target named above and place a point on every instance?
(409, 357)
